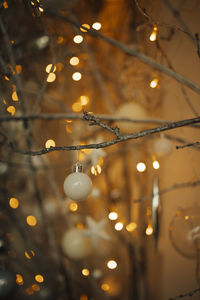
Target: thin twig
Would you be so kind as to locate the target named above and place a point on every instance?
(189, 294)
(188, 145)
(130, 51)
(169, 189)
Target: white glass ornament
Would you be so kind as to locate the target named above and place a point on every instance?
(162, 146)
(76, 245)
(131, 111)
(78, 185)
(184, 232)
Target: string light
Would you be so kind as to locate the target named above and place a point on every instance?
(50, 68)
(154, 83)
(74, 61)
(84, 100)
(86, 26)
(113, 215)
(11, 109)
(50, 143)
(149, 230)
(78, 39)
(156, 164)
(39, 278)
(119, 226)
(131, 226)
(73, 206)
(77, 76)
(31, 220)
(76, 107)
(19, 279)
(153, 35)
(112, 264)
(105, 287)
(96, 26)
(14, 203)
(85, 272)
(141, 167)
(51, 77)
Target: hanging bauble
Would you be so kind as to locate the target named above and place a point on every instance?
(162, 146)
(131, 111)
(77, 185)
(75, 244)
(184, 232)
(7, 283)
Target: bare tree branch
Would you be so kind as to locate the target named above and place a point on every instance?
(189, 294)
(188, 145)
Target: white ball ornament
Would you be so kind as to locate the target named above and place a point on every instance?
(131, 111)
(76, 245)
(78, 185)
(162, 146)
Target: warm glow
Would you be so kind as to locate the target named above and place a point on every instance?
(78, 39)
(154, 83)
(51, 77)
(18, 69)
(113, 215)
(39, 278)
(77, 76)
(149, 230)
(50, 143)
(19, 279)
(74, 61)
(86, 26)
(73, 206)
(111, 264)
(119, 226)
(14, 96)
(186, 217)
(105, 287)
(5, 4)
(141, 167)
(85, 272)
(96, 25)
(50, 68)
(14, 203)
(131, 226)
(153, 35)
(27, 254)
(11, 109)
(76, 107)
(31, 220)
(83, 297)
(95, 170)
(29, 291)
(84, 100)
(60, 40)
(41, 9)
(156, 164)
(35, 287)
(79, 225)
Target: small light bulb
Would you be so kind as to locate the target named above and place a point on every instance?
(112, 264)
(51, 77)
(86, 26)
(50, 68)
(39, 278)
(73, 206)
(77, 76)
(85, 272)
(154, 83)
(153, 35)
(74, 61)
(96, 26)
(113, 215)
(14, 203)
(141, 167)
(119, 226)
(31, 220)
(149, 230)
(78, 39)
(50, 143)
(156, 165)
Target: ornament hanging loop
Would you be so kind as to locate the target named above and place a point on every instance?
(78, 167)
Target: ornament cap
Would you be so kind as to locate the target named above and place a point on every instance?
(78, 167)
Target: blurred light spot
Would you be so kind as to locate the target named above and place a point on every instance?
(105, 287)
(11, 109)
(86, 26)
(5, 4)
(50, 68)
(74, 61)
(31, 220)
(84, 100)
(119, 226)
(77, 76)
(149, 230)
(60, 40)
(18, 69)
(154, 83)
(113, 215)
(153, 35)
(73, 206)
(14, 203)
(112, 264)
(42, 41)
(83, 297)
(39, 278)
(29, 291)
(79, 225)
(85, 272)
(156, 164)
(141, 167)
(76, 107)
(50, 143)
(14, 96)
(35, 287)
(96, 26)
(131, 226)
(19, 279)
(78, 39)
(28, 255)
(51, 77)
